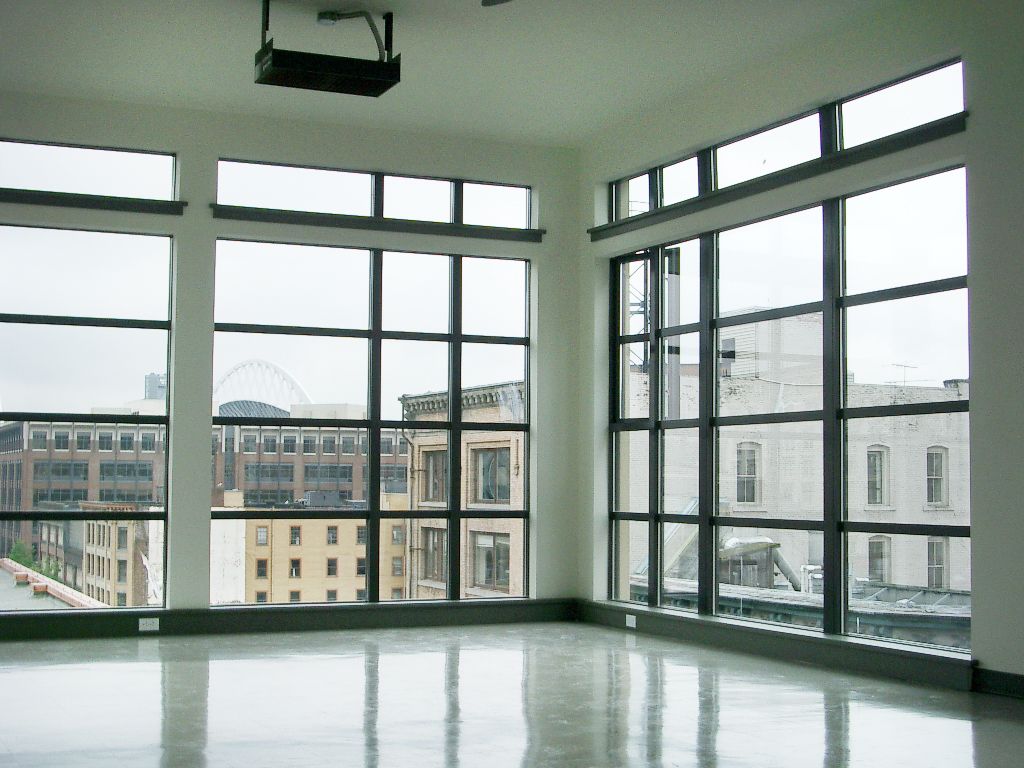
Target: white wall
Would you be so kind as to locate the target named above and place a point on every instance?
(199, 139)
(904, 38)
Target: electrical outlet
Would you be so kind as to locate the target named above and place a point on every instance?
(630, 621)
(149, 625)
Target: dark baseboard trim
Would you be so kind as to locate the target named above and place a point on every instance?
(1002, 683)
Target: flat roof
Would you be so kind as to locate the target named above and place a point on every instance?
(19, 597)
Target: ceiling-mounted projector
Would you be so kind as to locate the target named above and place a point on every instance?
(337, 74)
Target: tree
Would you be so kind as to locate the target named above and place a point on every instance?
(20, 553)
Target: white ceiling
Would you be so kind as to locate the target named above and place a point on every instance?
(536, 71)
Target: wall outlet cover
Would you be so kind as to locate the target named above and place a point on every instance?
(149, 625)
(630, 621)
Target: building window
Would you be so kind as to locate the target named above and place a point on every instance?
(403, 447)
(435, 554)
(308, 444)
(261, 535)
(295, 535)
(491, 560)
(61, 441)
(261, 597)
(491, 470)
(39, 441)
(397, 566)
(938, 557)
(387, 446)
(396, 593)
(248, 443)
(148, 440)
(360, 566)
(261, 568)
(332, 595)
(360, 534)
(122, 537)
(122, 571)
(330, 445)
(288, 444)
(332, 566)
(878, 475)
(397, 534)
(83, 441)
(747, 461)
(294, 596)
(127, 441)
(332, 534)
(435, 476)
(936, 461)
(348, 445)
(879, 552)
(105, 441)
(361, 595)
(294, 568)
(122, 600)
(269, 444)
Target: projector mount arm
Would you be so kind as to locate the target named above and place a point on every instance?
(329, 18)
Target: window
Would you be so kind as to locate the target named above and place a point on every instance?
(269, 444)
(397, 566)
(308, 444)
(747, 460)
(360, 534)
(122, 537)
(435, 554)
(361, 595)
(127, 441)
(878, 475)
(491, 560)
(294, 567)
(492, 475)
(261, 597)
(348, 445)
(772, 150)
(261, 568)
(122, 599)
(397, 534)
(83, 441)
(403, 447)
(122, 571)
(935, 476)
(435, 476)
(332, 595)
(261, 536)
(360, 566)
(938, 556)
(295, 535)
(396, 593)
(284, 187)
(332, 566)
(148, 441)
(39, 441)
(294, 596)
(879, 548)
(332, 534)
(288, 444)
(248, 443)
(106, 441)
(387, 446)
(61, 441)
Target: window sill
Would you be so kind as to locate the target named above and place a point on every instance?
(92, 202)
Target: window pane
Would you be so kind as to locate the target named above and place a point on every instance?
(399, 555)
(904, 105)
(771, 470)
(110, 172)
(259, 185)
(69, 564)
(275, 284)
(765, 574)
(908, 351)
(679, 181)
(494, 470)
(86, 274)
(416, 292)
(426, 552)
(911, 588)
(244, 572)
(908, 233)
(80, 369)
(630, 451)
(283, 375)
(768, 151)
(494, 297)
(495, 205)
(680, 381)
(632, 549)
(638, 195)
(420, 199)
(493, 558)
(414, 380)
(921, 469)
(679, 471)
(681, 289)
(493, 382)
(634, 374)
(428, 487)
(634, 296)
(770, 367)
(679, 566)
(770, 264)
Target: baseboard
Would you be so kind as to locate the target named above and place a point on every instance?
(1002, 683)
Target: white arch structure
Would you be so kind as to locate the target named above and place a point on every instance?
(262, 381)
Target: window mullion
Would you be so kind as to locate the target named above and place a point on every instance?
(706, 545)
(455, 436)
(834, 558)
(654, 554)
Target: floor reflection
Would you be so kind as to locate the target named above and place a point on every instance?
(518, 696)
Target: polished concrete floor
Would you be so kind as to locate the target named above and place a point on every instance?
(518, 695)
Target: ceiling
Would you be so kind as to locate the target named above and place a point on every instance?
(535, 71)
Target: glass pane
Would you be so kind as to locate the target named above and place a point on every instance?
(260, 374)
(679, 181)
(634, 367)
(679, 482)
(259, 185)
(635, 296)
(912, 588)
(631, 560)
(909, 469)
(493, 382)
(495, 205)
(416, 292)
(908, 351)
(770, 574)
(908, 233)
(904, 105)
(414, 380)
(773, 366)
(420, 199)
(494, 470)
(84, 274)
(79, 369)
(285, 467)
(264, 560)
(428, 485)
(396, 574)
(680, 382)
(116, 173)
(770, 264)
(631, 474)
(638, 195)
(771, 470)
(681, 289)
(426, 560)
(679, 571)
(494, 297)
(275, 284)
(772, 150)
(60, 564)
(493, 558)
